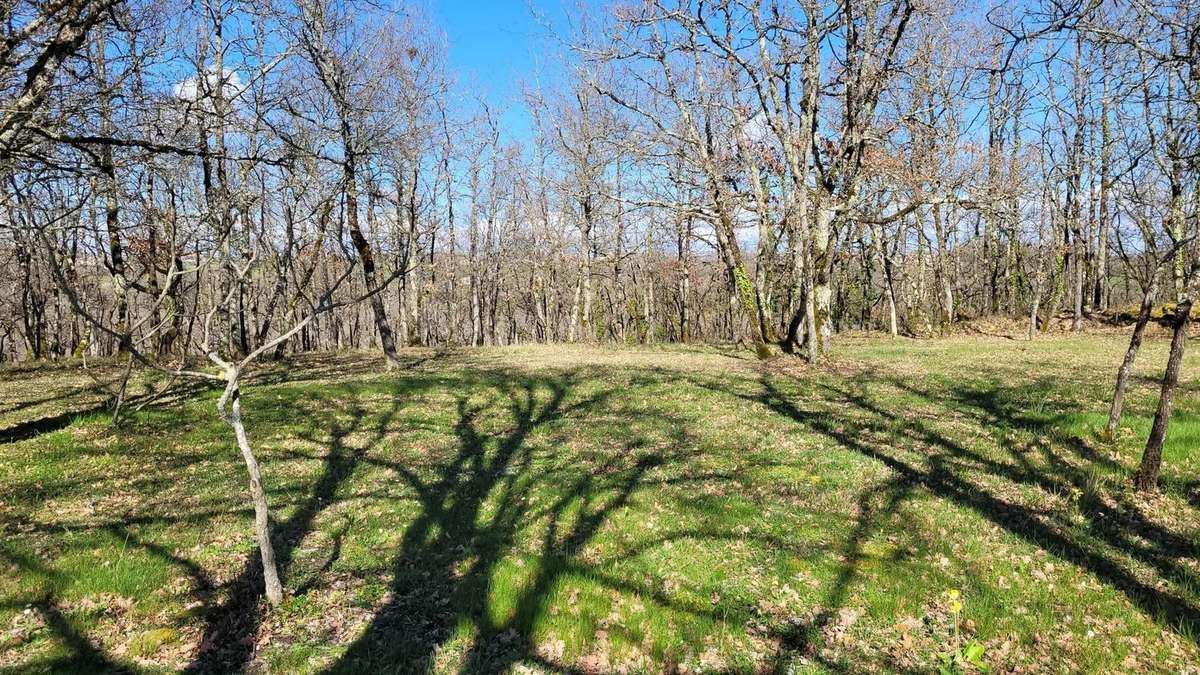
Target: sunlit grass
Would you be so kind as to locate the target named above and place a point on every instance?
(605, 509)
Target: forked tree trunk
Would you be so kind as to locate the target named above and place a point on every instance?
(230, 409)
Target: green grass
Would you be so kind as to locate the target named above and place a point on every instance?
(611, 509)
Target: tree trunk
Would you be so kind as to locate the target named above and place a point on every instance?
(1135, 343)
(942, 270)
(821, 295)
(587, 332)
(230, 409)
(1147, 476)
(810, 307)
(684, 289)
(1033, 313)
(889, 289)
(1061, 269)
(387, 339)
(111, 213)
(1099, 294)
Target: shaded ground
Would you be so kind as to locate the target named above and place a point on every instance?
(597, 510)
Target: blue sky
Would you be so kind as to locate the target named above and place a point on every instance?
(495, 46)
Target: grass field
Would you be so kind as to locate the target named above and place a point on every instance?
(911, 505)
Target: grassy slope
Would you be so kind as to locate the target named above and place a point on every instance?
(599, 509)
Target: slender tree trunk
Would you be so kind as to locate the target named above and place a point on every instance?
(1099, 291)
(1147, 476)
(413, 336)
(810, 306)
(888, 283)
(648, 308)
(991, 214)
(230, 408)
(1061, 269)
(111, 212)
(1075, 162)
(587, 332)
(573, 328)
(685, 299)
(1135, 343)
(387, 339)
(1033, 312)
(942, 270)
(1080, 271)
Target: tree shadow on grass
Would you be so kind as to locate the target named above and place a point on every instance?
(228, 640)
(82, 656)
(448, 551)
(428, 581)
(230, 626)
(478, 503)
(803, 636)
(918, 455)
(476, 510)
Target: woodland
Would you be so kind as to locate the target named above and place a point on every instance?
(797, 336)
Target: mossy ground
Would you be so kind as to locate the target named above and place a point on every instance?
(579, 509)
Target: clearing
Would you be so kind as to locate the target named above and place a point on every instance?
(548, 509)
